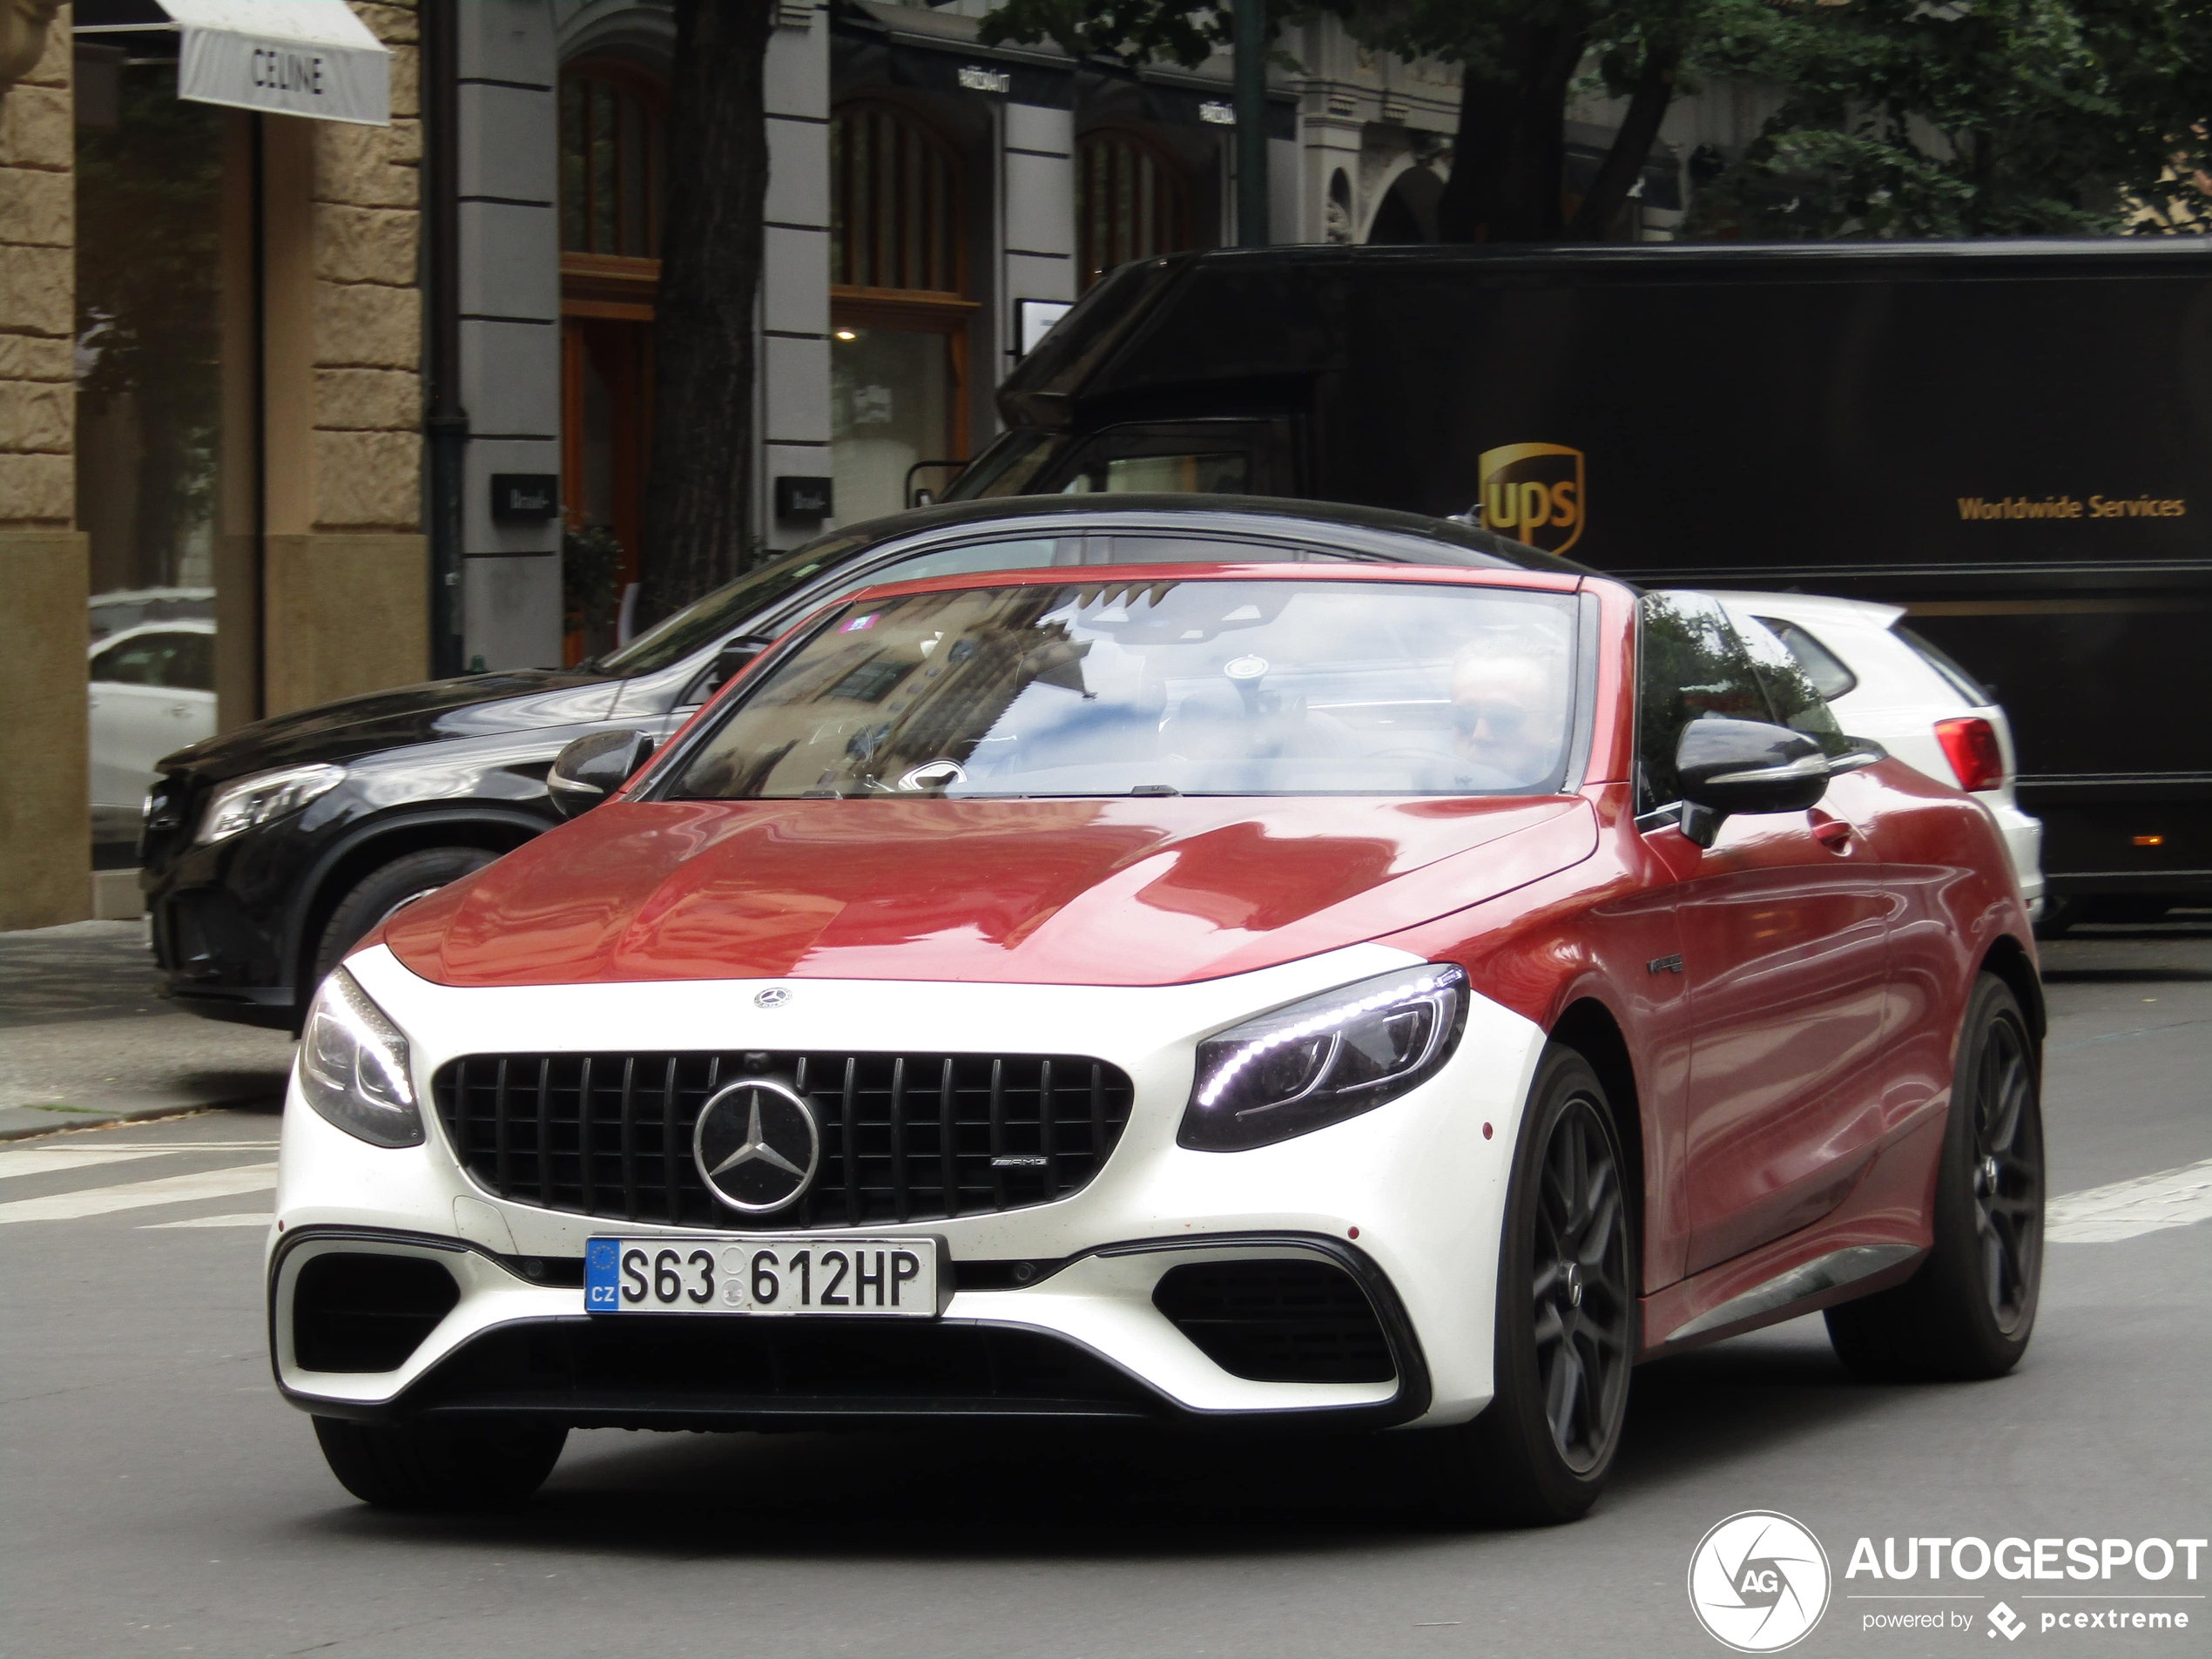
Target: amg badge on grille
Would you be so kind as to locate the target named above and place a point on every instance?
(757, 1144)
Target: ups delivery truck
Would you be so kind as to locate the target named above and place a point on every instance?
(2011, 439)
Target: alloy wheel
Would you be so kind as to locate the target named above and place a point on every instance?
(2007, 1174)
(1582, 1300)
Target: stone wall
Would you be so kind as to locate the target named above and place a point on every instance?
(46, 862)
(368, 398)
(346, 567)
(37, 293)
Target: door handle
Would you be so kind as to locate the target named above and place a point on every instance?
(1831, 832)
(180, 709)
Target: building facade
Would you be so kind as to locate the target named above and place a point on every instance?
(247, 328)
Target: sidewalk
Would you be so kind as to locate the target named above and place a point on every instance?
(85, 1038)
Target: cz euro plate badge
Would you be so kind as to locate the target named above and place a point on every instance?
(897, 1278)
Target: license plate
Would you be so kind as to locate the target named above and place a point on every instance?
(876, 1276)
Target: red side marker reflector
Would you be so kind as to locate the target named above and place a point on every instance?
(2150, 841)
(1970, 744)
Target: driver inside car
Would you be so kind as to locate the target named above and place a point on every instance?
(1509, 707)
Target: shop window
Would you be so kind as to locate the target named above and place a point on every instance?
(613, 127)
(163, 254)
(896, 219)
(1132, 202)
(898, 308)
(613, 184)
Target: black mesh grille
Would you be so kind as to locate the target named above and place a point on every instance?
(1278, 1321)
(905, 1137)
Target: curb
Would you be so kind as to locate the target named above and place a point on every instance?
(78, 1121)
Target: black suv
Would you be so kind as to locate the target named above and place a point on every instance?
(270, 850)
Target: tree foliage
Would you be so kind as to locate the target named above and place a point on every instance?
(1899, 117)
(1520, 60)
(1974, 118)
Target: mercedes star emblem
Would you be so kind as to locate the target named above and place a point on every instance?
(757, 1145)
(774, 997)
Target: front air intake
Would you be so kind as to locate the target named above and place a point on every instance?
(1278, 1321)
(351, 1311)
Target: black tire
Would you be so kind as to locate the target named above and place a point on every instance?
(384, 890)
(1567, 1329)
(418, 1467)
(1969, 1311)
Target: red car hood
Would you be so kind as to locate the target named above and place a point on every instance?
(1151, 892)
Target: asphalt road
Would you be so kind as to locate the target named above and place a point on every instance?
(157, 1498)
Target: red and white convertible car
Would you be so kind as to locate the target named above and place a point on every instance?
(1342, 994)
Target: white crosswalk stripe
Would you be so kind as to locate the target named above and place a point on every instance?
(2129, 1209)
(57, 1160)
(174, 1189)
(254, 1218)
(54, 1160)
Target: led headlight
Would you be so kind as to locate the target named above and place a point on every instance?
(1326, 1059)
(354, 1066)
(264, 797)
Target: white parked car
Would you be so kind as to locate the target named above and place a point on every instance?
(152, 691)
(1887, 683)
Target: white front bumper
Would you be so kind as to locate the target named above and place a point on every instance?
(1416, 1183)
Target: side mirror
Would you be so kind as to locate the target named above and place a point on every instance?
(1749, 766)
(592, 768)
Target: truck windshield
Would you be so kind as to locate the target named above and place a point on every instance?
(1197, 687)
(1010, 467)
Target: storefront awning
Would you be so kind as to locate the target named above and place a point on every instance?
(311, 57)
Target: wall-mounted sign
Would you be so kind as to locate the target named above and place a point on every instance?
(802, 501)
(1214, 113)
(311, 57)
(1036, 318)
(525, 497)
(973, 78)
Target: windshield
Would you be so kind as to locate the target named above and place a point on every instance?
(706, 620)
(1203, 687)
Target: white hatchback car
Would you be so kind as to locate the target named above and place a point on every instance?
(1887, 683)
(151, 690)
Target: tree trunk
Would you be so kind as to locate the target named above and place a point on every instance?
(698, 509)
(1624, 163)
(1511, 158)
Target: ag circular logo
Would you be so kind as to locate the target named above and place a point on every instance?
(757, 1145)
(1758, 1581)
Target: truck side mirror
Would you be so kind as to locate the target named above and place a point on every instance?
(591, 768)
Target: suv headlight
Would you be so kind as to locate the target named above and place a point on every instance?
(354, 1066)
(1319, 1061)
(263, 797)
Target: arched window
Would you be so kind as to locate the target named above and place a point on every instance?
(895, 217)
(1131, 202)
(613, 148)
(898, 308)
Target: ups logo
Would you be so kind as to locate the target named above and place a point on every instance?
(1532, 492)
